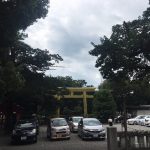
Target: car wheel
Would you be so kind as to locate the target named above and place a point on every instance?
(48, 136)
(135, 123)
(71, 129)
(13, 142)
(103, 139)
(78, 134)
(82, 137)
(35, 140)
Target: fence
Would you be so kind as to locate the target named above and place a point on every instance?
(136, 139)
(139, 140)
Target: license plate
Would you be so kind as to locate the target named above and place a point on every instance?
(95, 135)
(23, 138)
(59, 135)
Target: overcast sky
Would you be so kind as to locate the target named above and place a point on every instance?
(71, 25)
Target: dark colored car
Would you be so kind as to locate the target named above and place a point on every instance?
(32, 119)
(24, 131)
(91, 128)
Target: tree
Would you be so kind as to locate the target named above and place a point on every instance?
(16, 16)
(11, 79)
(104, 105)
(18, 60)
(126, 53)
(35, 60)
(125, 57)
(69, 82)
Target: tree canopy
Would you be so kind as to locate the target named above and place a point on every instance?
(126, 53)
(123, 60)
(17, 15)
(104, 104)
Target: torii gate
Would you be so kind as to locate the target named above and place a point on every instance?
(84, 95)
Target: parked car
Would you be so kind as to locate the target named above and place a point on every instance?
(32, 118)
(142, 121)
(73, 123)
(58, 128)
(91, 128)
(136, 120)
(118, 119)
(24, 131)
(147, 120)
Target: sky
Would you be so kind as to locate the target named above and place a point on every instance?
(71, 26)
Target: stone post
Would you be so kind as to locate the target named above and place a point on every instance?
(148, 141)
(112, 138)
(141, 141)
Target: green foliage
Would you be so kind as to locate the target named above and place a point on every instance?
(125, 55)
(21, 67)
(123, 59)
(106, 85)
(17, 15)
(77, 110)
(33, 59)
(137, 93)
(11, 80)
(69, 82)
(104, 104)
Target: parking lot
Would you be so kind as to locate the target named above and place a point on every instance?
(75, 143)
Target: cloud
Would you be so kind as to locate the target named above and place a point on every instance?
(72, 24)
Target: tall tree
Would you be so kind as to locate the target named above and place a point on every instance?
(125, 57)
(126, 53)
(17, 15)
(104, 104)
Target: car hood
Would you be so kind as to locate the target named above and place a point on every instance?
(95, 128)
(61, 128)
(75, 123)
(132, 119)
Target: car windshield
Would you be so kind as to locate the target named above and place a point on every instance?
(140, 117)
(92, 122)
(25, 125)
(76, 120)
(59, 122)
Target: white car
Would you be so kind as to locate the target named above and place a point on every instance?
(73, 123)
(58, 128)
(147, 121)
(142, 121)
(91, 128)
(137, 120)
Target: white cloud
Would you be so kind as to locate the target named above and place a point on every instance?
(72, 24)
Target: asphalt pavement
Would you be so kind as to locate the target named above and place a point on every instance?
(75, 143)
